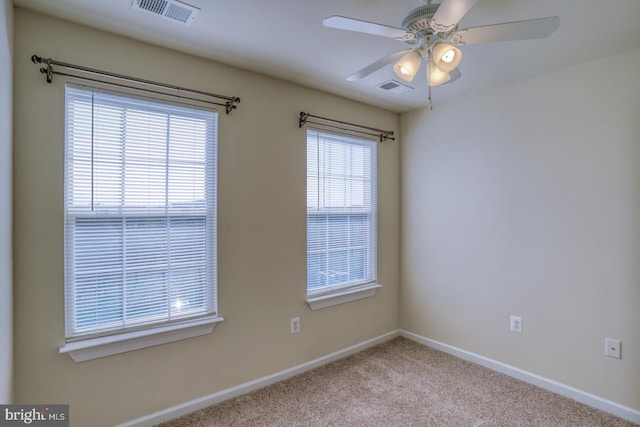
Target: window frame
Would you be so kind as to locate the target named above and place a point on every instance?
(330, 295)
(92, 345)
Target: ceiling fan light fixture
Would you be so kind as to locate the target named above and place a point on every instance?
(435, 75)
(407, 67)
(446, 56)
(433, 33)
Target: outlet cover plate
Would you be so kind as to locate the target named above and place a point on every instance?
(612, 348)
(515, 324)
(295, 325)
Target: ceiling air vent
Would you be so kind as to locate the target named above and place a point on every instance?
(394, 86)
(170, 9)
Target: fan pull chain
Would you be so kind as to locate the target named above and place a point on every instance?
(429, 71)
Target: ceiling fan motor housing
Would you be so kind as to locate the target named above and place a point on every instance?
(418, 21)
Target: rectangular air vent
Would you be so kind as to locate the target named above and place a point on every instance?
(394, 86)
(170, 9)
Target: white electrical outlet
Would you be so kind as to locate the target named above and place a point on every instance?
(295, 325)
(515, 324)
(612, 348)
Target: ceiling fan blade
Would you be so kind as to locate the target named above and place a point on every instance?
(350, 24)
(455, 75)
(449, 13)
(382, 62)
(519, 30)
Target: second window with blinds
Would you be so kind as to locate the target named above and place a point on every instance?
(341, 218)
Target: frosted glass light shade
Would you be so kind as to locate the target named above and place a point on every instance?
(446, 56)
(435, 76)
(408, 66)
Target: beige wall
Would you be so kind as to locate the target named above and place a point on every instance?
(525, 200)
(6, 299)
(261, 235)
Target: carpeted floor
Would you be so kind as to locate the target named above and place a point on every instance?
(400, 383)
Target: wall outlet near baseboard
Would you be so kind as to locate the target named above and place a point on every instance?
(612, 348)
(295, 325)
(515, 324)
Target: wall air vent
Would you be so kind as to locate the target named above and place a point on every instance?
(394, 86)
(170, 9)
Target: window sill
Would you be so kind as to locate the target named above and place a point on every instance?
(95, 348)
(342, 296)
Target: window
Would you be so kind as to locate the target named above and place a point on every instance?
(140, 213)
(341, 213)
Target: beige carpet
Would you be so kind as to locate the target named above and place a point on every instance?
(400, 383)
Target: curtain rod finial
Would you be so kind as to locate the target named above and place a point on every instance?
(36, 59)
(303, 118)
(231, 104)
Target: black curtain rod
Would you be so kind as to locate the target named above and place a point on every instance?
(380, 133)
(325, 125)
(230, 103)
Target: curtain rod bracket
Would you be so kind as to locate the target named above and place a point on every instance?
(231, 104)
(303, 119)
(48, 71)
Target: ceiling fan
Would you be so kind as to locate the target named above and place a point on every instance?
(432, 31)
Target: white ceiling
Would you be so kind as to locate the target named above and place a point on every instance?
(286, 39)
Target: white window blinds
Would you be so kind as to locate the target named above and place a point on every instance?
(341, 211)
(140, 212)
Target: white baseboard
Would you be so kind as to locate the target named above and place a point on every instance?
(212, 399)
(597, 402)
(592, 400)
